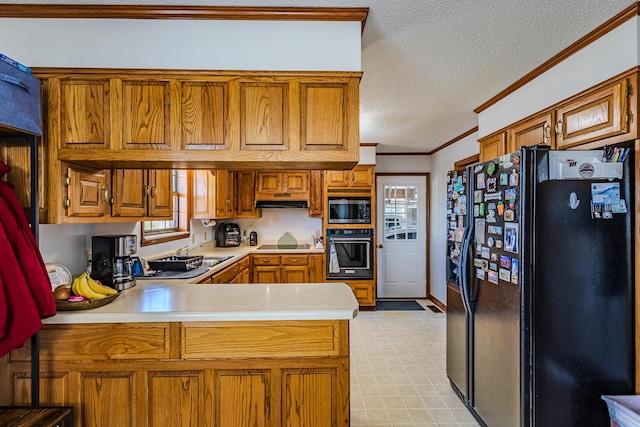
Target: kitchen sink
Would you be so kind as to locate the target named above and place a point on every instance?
(210, 261)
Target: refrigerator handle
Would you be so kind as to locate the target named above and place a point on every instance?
(464, 268)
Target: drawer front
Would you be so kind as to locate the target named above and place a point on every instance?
(244, 263)
(226, 275)
(266, 259)
(294, 259)
(96, 341)
(262, 339)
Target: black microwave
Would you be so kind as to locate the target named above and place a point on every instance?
(349, 210)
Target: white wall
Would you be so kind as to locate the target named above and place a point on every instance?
(183, 44)
(403, 164)
(612, 54)
(275, 222)
(176, 44)
(441, 163)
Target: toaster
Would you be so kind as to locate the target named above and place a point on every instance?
(227, 234)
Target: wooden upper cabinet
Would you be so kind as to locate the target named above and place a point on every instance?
(82, 110)
(204, 115)
(316, 200)
(361, 176)
(600, 114)
(246, 195)
(536, 130)
(492, 146)
(160, 201)
(324, 115)
(142, 193)
(264, 115)
(146, 116)
(245, 120)
(278, 185)
(88, 193)
(204, 203)
(225, 194)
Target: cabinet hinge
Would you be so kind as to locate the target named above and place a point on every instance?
(66, 203)
(629, 91)
(67, 180)
(629, 117)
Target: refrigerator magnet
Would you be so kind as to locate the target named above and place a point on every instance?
(493, 277)
(513, 178)
(477, 196)
(477, 262)
(480, 274)
(493, 266)
(491, 241)
(476, 210)
(491, 168)
(504, 179)
(480, 181)
(500, 208)
(492, 184)
(498, 244)
(486, 253)
(478, 168)
(505, 274)
(485, 265)
(505, 261)
(516, 159)
(510, 194)
(481, 209)
(463, 209)
(494, 258)
(479, 232)
(491, 215)
(511, 237)
(619, 207)
(514, 271)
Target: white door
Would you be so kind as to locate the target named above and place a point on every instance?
(402, 236)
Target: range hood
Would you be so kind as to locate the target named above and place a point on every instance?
(281, 204)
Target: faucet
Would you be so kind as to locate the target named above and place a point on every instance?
(187, 249)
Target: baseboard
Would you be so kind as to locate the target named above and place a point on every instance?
(438, 304)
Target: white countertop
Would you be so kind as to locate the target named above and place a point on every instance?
(149, 301)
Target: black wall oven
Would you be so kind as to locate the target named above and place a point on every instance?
(349, 210)
(349, 253)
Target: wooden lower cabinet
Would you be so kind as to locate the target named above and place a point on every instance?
(363, 290)
(227, 374)
(287, 268)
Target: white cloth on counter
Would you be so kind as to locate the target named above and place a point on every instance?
(334, 265)
(208, 222)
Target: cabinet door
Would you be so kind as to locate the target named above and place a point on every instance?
(225, 194)
(266, 274)
(534, 131)
(204, 205)
(268, 183)
(316, 268)
(88, 193)
(106, 399)
(160, 202)
(364, 292)
(316, 203)
(492, 147)
(264, 115)
(246, 195)
(597, 115)
(324, 115)
(130, 192)
(361, 176)
(294, 274)
(296, 183)
(338, 179)
(85, 114)
(185, 387)
(146, 118)
(204, 110)
(242, 398)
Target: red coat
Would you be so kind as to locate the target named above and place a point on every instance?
(25, 289)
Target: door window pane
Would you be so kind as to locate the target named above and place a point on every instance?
(400, 212)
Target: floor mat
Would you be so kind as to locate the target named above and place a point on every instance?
(434, 309)
(398, 305)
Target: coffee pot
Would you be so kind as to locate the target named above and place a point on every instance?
(111, 260)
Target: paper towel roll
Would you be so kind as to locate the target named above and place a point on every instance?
(208, 222)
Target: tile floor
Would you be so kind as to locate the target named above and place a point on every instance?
(398, 373)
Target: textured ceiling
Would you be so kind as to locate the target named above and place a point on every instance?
(428, 63)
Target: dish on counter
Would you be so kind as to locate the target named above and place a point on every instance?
(85, 304)
(58, 275)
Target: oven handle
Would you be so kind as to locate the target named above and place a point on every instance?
(341, 239)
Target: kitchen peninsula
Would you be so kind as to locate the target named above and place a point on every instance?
(204, 355)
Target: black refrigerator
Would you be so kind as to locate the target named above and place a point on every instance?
(543, 323)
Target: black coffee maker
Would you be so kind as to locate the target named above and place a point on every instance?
(111, 261)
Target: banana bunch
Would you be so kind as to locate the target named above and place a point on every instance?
(85, 286)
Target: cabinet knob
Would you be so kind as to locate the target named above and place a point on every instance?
(154, 191)
(106, 194)
(559, 127)
(380, 246)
